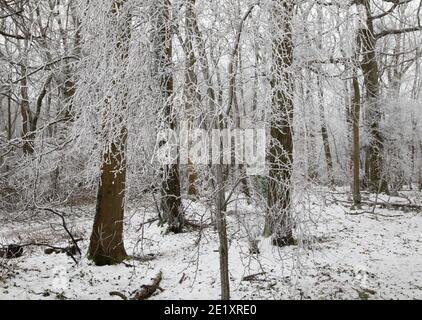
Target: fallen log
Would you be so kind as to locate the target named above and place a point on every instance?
(386, 205)
(145, 257)
(400, 206)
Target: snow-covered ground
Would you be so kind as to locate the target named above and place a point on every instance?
(355, 255)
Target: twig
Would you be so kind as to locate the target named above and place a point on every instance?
(182, 278)
(252, 277)
(116, 293)
(147, 222)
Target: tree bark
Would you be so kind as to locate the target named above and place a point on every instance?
(356, 142)
(279, 220)
(9, 116)
(106, 245)
(420, 167)
(220, 217)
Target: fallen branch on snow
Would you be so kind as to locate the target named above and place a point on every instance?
(252, 277)
(147, 290)
(387, 205)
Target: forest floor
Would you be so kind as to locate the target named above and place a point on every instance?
(365, 254)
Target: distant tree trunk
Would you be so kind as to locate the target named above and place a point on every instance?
(354, 116)
(356, 142)
(220, 217)
(171, 203)
(36, 114)
(106, 244)
(370, 70)
(367, 178)
(324, 132)
(417, 145)
(413, 153)
(349, 121)
(192, 179)
(420, 167)
(313, 175)
(220, 199)
(279, 220)
(9, 116)
(26, 114)
(237, 124)
(412, 164)
(323, 121)
(190, 88)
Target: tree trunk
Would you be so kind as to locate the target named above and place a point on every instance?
(324, 133)
(26, 114)
(370, 70)
(279, 220)
(312, 157)
(367, 179)
(190, 89)
(420, 167)
(106, 244)
(9, 116)
(356, 143)
(220, 217)
(171, 203)
(237, 110)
